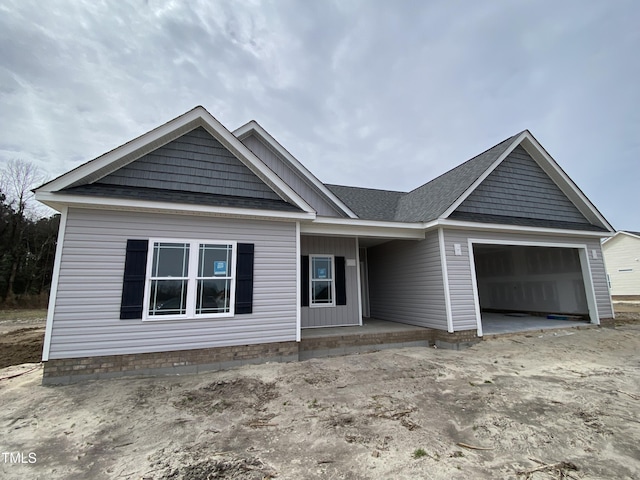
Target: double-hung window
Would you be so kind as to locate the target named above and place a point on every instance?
(322, 281)
(190, 279)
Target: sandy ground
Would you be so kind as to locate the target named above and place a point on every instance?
(538, 406)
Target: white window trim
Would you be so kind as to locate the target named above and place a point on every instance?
(333, 281)
(191, 280)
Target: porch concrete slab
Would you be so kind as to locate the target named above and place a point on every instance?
(497, 323)
(370, 326)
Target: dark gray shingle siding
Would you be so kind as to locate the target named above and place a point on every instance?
(175, 196)
(195, 162)
(518, 187)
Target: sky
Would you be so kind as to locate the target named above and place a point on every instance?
(371, 93)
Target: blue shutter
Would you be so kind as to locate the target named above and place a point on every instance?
(244, 279)
(135, 270)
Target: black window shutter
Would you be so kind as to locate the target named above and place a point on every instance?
(341, 282)
(244, 278)
(135, 270)
(304, 280)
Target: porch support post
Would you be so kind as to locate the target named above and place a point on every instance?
(357, 239)
(445, 280)
(298, 286)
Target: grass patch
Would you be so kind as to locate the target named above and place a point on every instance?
(419, 453)
(27, 314)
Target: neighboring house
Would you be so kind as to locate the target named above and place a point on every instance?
(622, 258)
(194, 246)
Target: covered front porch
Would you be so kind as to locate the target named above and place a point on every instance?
(372, 335)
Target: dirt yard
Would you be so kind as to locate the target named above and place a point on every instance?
(537, 406)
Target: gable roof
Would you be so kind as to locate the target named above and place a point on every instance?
(440, 197)
(435, 201)
(254, 128)
(100, 167)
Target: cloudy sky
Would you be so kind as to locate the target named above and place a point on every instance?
(372, 93)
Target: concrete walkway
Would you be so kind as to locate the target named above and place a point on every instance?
(497, 323)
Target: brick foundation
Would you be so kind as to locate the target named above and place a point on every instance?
(456, 340)
(72, 370)
(365, 342)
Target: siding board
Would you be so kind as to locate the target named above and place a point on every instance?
(459, 271)
(405, 282)
(86, 316)
(339, 315)
(195, 162)
(518, 187)
(292, 177)
(621, 254)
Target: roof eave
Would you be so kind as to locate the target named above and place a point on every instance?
(58, 201)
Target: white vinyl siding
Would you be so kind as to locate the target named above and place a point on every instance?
(622, 256)
(459, 271)
(405, 282)
(87, 306)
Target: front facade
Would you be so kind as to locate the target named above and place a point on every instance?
(622, 255)
(193, 247)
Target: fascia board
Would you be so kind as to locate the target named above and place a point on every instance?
(482, 177)
(198, 117)
(254, 126)
(56, 200)
(459, 224)
(361, 231)
(560, 177)
(365, 228)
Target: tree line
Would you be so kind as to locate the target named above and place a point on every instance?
(28, 235)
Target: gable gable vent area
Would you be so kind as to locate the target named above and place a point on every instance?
(519, 192)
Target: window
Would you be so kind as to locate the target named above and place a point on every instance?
(190, 279)
(322, 280)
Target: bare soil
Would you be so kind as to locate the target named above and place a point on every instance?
(558, 404)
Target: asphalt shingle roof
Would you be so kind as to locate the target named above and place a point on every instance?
(424, 203)
(369, 203)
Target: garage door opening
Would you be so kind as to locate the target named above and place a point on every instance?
(521, 287)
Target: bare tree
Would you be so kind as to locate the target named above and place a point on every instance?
(17, 179)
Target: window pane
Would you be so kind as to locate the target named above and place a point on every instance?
(321, 292)
(214, 296)
(168, 297)
(321, 268)
(215, 261)
(170, 260)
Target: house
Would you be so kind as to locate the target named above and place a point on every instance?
(194, 247)
(622, 258)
